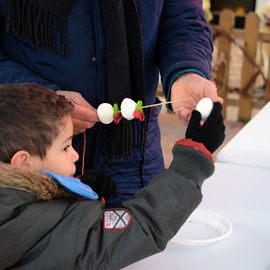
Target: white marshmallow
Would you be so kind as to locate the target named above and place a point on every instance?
(105, 113)
(205, 106)
(127, 108)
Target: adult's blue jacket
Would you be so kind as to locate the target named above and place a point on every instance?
(176, 39)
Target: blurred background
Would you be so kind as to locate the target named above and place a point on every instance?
(240, 67)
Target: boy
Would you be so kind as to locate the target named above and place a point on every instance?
(43, 223)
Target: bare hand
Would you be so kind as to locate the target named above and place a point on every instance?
(84, 115)
(191, 88)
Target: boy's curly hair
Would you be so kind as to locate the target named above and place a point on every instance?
(30, 118)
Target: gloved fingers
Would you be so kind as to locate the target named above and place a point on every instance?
(110, 189)
(213, 148)
(223, 129)
(106, 193)
(223, 137)
(98, 181)
(114, 192)
(107, 186)
(220, 123)
(113, 189)
(215, 119)
(215, 114)
(217, 107)
(220, 137)
(221, 133)
(194, 122)
(101, 183)
(89, 178)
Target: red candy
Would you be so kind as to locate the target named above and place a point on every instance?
(139, 115)
(117, 118)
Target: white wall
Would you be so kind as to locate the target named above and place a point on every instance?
(260, 3)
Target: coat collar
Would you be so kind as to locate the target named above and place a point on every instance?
(38, 184)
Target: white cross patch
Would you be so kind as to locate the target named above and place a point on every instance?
(116, 219)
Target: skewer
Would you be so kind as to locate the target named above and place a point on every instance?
(166, 102)
(163, 103)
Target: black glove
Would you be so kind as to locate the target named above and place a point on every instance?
(212, 132)
(102, 184)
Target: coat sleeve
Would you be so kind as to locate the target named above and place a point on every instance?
(13, 72)
(144, 225)
(184, 40)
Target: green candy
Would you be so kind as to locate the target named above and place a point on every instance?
(115, 109)
(139, 106)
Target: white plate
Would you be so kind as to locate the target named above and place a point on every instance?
(203, 227)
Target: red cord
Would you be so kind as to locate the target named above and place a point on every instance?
(103, 200)
(83, 158)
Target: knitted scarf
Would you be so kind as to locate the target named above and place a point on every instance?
(39, 20)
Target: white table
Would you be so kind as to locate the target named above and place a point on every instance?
(251, 146)
(241, 194)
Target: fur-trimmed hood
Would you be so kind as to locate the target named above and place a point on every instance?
(32, 204)
(39, 184)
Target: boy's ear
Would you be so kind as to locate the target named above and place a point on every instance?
(21, 158)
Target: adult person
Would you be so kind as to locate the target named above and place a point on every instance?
(96, 51)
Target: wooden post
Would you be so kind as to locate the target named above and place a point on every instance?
(226, 23)
(267, 87)
(251, 39)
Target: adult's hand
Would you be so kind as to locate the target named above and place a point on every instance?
(191, 88)
(84, 115)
